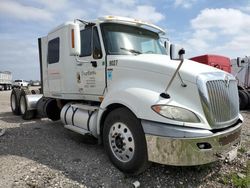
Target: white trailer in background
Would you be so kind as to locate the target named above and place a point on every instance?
(113, 79)
(241, 70)
(5, 80)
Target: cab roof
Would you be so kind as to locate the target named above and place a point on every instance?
(117, 19)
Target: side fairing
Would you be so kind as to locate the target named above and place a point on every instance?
(44, 51)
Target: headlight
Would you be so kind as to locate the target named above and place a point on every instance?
(176, 113)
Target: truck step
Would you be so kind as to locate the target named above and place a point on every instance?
(77, 129)
(85, 107)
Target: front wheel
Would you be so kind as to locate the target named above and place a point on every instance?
(124, 141)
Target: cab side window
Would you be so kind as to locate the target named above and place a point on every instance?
(53, 50)
(89, 47)
(86, 42)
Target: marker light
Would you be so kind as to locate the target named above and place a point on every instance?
(72, 38)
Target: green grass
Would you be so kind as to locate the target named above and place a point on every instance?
(236, 181)
(242, 150)
(248, 173)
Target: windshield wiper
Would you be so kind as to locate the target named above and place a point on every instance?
(131, 50)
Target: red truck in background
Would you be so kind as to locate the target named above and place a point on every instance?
(217, 61)
(240, 68)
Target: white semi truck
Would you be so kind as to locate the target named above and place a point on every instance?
(5, 80)
(241, 71)
(113, 79)
(20, 84)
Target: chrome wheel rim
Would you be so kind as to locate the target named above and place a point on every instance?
(121, 142)
(22, 105)
(13, 102)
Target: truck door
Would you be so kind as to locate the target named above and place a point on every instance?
(92, 74)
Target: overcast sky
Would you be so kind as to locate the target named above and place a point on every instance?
(201, 26)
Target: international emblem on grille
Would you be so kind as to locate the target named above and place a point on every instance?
(226, 80)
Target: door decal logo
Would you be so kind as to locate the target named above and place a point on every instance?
(110, 74)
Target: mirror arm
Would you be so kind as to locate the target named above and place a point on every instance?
(182, 82)
(165, 94)
(174, 75)
(84, 22)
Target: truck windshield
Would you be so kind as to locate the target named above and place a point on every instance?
(122, 39)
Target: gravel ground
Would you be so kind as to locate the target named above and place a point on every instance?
(41, 153)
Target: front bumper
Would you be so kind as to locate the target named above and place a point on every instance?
(179, 146)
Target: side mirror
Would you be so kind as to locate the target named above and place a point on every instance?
(167, 46)
(239, 61)
(97, 53)
(74, 39)
(176, 51)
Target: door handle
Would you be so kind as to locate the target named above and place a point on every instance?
(94, 63)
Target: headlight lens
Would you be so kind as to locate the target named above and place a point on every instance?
(176, 113)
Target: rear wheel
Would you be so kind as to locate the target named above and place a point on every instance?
(14, 101)
(248, 97)
(243, 99)
(35, 91)
(124, 141)
(26, 114)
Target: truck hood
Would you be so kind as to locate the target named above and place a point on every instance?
(162, 64)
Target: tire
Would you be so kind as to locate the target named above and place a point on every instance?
(248, 97)
(26, 114)
(127, 148)
(35, 91)
(52, 110)
(14, 101)
(243, 100)
(47, 107)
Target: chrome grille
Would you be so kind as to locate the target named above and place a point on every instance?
(219, 97)
(223, 100)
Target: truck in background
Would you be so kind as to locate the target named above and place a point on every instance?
(5, 80)
(239, 67)
(216, 61)
(241, 70)
(20, 84)
(113, 79)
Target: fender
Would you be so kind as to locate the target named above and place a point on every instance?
(139, 100)
(32, 101)
(135, 99)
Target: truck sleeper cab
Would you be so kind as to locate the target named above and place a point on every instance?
(106, 78)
